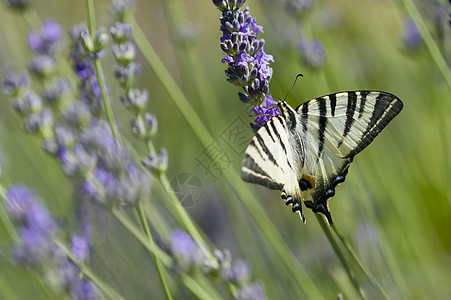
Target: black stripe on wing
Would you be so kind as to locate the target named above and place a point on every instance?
(252, 172)
(322, 125)
(386, 108)
(350, 110)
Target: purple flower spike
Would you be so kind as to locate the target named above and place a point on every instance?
(35, 248)
(19, 200)
(80, 247)
(248, 64)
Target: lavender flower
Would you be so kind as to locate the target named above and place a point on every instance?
(312, 52)
(126, 75)
(248, 64)
(121, 32)
(83, 64)
(35, 247)
(56, 91)
(30, 103)
(411, 36)
(121, 7)
(80, 248)
(135, 100)
(157, 164)
(264, 112)
(238, 273)
(18, 4)
(14, 84)
(48, 40)
(186, 252)
(19, 199)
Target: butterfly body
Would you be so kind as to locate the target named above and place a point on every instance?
(306, 152)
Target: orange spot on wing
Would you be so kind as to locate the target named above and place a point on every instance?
(310, 179)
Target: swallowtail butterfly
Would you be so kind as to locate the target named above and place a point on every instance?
(306, 152)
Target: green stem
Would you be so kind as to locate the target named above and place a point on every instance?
(143, 220)
(99, 73)
(196, 289)
(368, 274)
(340, 255)
(181, 212)
(185, 219)
(6, 291)
(429, 41)
(152, 248)
(162, 256)
(105, 288)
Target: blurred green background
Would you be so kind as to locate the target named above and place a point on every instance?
(394, 208)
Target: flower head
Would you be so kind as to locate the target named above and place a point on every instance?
(15, 84)
(185, 250)
(47, 40)
(264, 112)
(411, 36)
(312, 52)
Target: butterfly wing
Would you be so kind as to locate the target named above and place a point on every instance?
(272, 159)
(336, 127)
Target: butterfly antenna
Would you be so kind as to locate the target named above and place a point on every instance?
(294, 83)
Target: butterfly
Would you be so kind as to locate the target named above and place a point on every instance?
(306, 152)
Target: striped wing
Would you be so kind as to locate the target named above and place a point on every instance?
(306, 152)
(336, 128)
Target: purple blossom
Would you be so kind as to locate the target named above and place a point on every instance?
(14, 84)
(264, 112)
(83, 65)
(238, 273)
(135, 100)
(185, 250)
(121, 32)
(77, 162)
(312, 52)
(136, 184)
(34, 248)
(126, 75)
(18, 200)
(18, 4)
(156, 163)
(42, 65)
(39, 218)
(77, 115)
(80, 247)
(40, 123)
(47, 40)
(56, 90)
(84, 290)
(411, 36)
